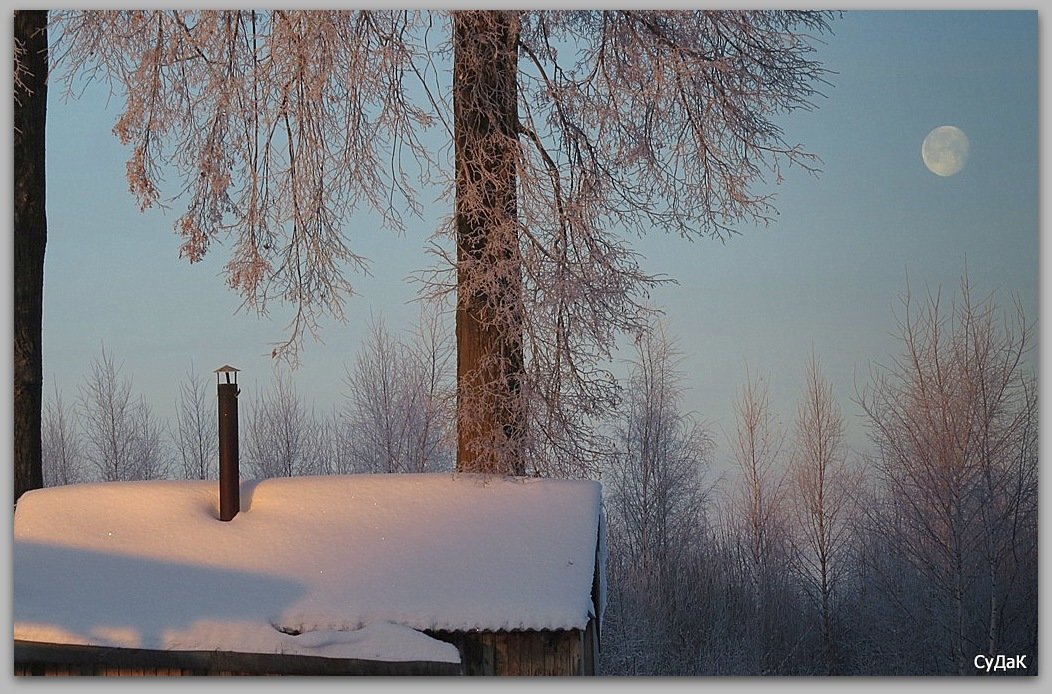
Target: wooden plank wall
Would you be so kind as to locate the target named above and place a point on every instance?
(520, 653)
(85, 669)
(516, 653)
(34, 659)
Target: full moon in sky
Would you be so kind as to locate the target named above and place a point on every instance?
(945, 150)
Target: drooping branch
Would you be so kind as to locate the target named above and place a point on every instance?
(281, 124)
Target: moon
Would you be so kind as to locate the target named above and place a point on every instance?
(945, 150)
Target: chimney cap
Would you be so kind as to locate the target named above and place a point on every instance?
(226, 369)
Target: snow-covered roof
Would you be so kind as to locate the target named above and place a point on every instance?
(342, 566)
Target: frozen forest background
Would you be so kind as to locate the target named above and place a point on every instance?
(909, 557)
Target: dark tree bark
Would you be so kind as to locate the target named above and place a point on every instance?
(30, 238)
(491, 421)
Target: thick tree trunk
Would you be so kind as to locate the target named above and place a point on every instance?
(30, 238)
(490, 413)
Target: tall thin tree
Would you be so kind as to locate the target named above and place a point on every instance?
(197, 429)
(822, 489)
(30, 241)
(60, 443)
(757, 503)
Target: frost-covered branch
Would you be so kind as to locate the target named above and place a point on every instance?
(572, 131)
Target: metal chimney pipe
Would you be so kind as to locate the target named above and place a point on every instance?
(229, 475)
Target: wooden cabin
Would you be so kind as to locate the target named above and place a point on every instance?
(416, 574)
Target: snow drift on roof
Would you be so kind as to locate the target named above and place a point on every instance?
(307, 563)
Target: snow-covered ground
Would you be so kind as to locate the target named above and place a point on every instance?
(343, 566)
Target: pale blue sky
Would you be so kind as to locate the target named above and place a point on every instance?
(827, 274)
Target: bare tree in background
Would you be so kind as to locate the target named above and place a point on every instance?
(197, 429)
(757, 503)
(656, 499)
(336, 444)
(757, 448)
(60, 443)
(656, 495)
(568, 127)
(282, 437)
(822, 489)
(992, 353)
(953, 418)
(399, 413)
(122, 438)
